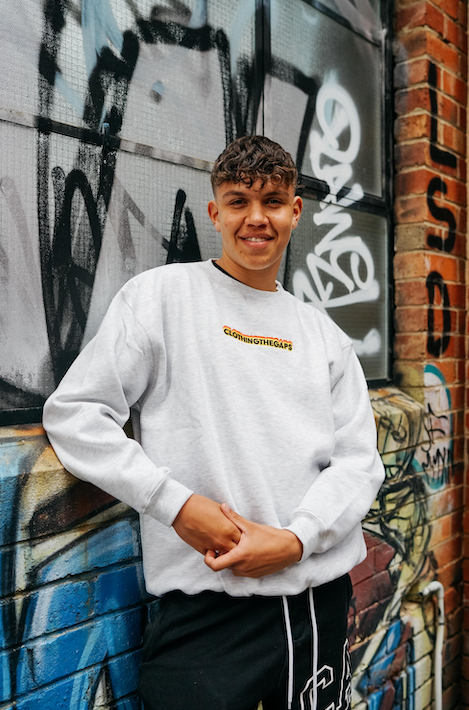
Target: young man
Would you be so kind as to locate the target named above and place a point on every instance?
(254, 461)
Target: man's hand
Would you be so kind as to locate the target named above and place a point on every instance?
(261, 550)
(201, 524)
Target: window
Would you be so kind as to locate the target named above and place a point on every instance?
(109, 122)
(327, 103)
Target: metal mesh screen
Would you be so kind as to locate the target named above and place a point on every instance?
(110, 114)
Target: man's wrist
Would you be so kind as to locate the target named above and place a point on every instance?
(295, 546)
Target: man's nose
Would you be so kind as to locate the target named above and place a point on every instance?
(256, 215)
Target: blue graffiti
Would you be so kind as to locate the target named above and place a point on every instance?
(99, 26)
(380, 674)
(75, 630)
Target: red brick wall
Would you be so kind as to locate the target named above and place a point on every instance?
(430, 51)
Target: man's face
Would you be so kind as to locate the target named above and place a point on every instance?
(255, 225)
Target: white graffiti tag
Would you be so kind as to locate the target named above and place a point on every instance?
(336, 113)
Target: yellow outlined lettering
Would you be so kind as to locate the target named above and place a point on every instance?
(257, 340)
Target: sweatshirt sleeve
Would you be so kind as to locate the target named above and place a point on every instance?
(344, 491)
(85, 415)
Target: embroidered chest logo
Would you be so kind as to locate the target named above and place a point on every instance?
(258, 340)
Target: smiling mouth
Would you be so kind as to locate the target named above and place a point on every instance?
(257, 239)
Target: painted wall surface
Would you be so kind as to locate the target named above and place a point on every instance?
(110, 115)
(392, 635)
(71, 583)
(73, 604)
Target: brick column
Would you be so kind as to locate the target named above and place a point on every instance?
(430, 48)
(465, 660)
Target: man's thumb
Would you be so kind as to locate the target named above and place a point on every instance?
(234, 517)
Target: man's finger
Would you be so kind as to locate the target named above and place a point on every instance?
(211, 558)
(240, 522)
(219, 562)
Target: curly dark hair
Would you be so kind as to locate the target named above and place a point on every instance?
(253, 158)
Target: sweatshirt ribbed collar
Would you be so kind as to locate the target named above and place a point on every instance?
(235, 286)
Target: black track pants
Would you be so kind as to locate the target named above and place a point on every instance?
(211, 651)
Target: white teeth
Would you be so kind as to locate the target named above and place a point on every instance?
(255, 239)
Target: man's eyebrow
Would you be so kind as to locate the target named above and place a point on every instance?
(237, 193)
(277, 191)
(242, 193)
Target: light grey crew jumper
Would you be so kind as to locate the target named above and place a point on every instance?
(245, 396)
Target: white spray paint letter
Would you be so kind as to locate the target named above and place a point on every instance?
(332, 163)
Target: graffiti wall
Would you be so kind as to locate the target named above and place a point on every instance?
(111, 113)
(71, 584)
(392, 630)
(73, 604)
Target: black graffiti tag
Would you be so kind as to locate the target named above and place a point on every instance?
(439, 460)
(69, 252)
(443, 214)
(183, 245)
(443, 157)
(436, 346)
(70, 246)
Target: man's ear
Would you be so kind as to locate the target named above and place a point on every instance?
(297, 207)
(212, 208)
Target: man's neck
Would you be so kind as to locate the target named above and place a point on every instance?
(262, 280)
(217, 266)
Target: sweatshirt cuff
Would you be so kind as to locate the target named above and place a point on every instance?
(308, 530)
(167, 501)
